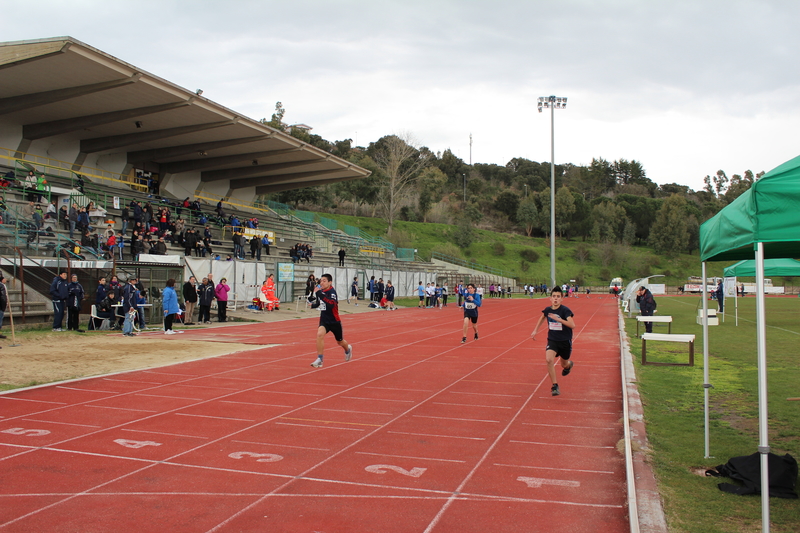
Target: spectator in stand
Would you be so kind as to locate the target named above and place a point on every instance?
(51, 213)
(189, 242)
(76, 295)
(255, 248)
(342, 254)
(63, 216)
(89, 242)
(293, 254)
(171, 307)
(311, 285)
(205, 296)
(3, 301)
(30, 186)
(266, 243)
(221, 291)
(190, 300)
(59, 292)
(159, 248)
(178, 233)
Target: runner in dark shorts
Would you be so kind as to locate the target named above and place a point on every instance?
(472, 301)
(560, 324)
(324, 298)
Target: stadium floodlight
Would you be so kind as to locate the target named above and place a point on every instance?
(552, 102)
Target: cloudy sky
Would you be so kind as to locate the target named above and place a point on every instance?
(684, 87)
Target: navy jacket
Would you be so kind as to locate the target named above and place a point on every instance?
(59, 289)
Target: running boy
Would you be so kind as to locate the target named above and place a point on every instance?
(472, 301)
(324, 298)
(559, 336)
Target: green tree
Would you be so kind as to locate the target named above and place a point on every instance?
(277, 117)
(565, 208)
(507, 202)
(528, 215)
(401, 164)
(430, 185)
(670, 232)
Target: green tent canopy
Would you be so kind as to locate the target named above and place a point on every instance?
(769, 212)
(772, 267)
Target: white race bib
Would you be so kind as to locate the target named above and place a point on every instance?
(469, 305)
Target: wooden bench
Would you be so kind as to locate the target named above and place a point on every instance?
(654, 319)
(667, 337)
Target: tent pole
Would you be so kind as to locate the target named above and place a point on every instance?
(736, 293)
(706, 385)
(763, 412)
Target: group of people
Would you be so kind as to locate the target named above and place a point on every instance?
(301, 251)
(432, 295)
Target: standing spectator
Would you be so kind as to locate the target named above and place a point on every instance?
(130, 302)
(255, 248)
(189, 242)
(76, 295)
(373, 288)
(3, 301)
(342, 255)
(190, 300)
(720, 292)
(102, 290)
(390, 296)
(647, 305)
(354, 290)
(59, 292)
(171, 307)
(444, 294)
(421, 294)
(266, 243)
(221, 292)
(381, 287)
(205, 294)
(329, 320)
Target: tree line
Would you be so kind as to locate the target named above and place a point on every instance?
(606, 201)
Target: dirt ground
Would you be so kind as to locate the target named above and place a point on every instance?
(52, 356)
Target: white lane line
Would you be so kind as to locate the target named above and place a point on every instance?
(431, 435)
(282, 445)
(563, 444)
(459, 419)
(316, 384)
(216, 417)
(121, 408)
(261, 404)
(393, 388)
(486, 394)
(318, 427)
(617, 413)
(471, 405)
(29, 400)
(173, 397)
(559, 469)
(349, 411)
(162, 433)
(376, 399)
(63, 423)
(282, 392)
(566, 426)
(87, 390)
(170, 374)
(133, 381)
(206, 387)
(411, 457)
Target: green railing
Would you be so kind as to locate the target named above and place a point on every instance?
(470, 264)
(404, 254)
(329, 223)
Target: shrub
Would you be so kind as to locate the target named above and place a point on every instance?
(524, 265)
(529, 254)
(499, 248)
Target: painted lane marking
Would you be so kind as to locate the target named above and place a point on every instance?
(568, 426)
(283, 392)
(87, 390)
(260, 404)
(318, 427)
(133, 381)
(563, 444)
(537, 482)
(122, 408)
(486, 394)
(26, 432)
(382, 469)
(207, 386)
(496, 382)
(62, 423)
(329, 421)
(350, 411)
(162, 433)
(216, 417)
(172, 397)
(460, 419)
(377, 399)
(471, 405)
(576, 412)
(393, 388)
(170, 374)
(260, 457)
(315, 384)
(136, 444)
(591, 401)
(282, 445)
(430, 435)
(557, 469)
(29, 400)
(411, 457)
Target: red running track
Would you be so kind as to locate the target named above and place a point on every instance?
(417, 433)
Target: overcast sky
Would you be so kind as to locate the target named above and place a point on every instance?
(684, 87)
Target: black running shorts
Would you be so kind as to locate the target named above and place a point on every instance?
(563, 349)
(335, 328)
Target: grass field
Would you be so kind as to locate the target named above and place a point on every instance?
(673, 403)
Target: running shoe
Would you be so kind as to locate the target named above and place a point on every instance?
(317, 363)
(463, 340)
(169, 332)
(566, 371)
(476, 336)
(554, 390)
(348, 354)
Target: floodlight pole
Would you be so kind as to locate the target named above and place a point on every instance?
(552, 102)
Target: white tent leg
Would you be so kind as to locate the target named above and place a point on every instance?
(706, 384)
(763, 412)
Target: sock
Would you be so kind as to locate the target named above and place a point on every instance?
(320, 357)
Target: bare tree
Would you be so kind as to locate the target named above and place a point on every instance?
(400, 164)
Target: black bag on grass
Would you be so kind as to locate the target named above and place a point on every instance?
(747, 470)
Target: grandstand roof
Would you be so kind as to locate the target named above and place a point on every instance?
(65, 92)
